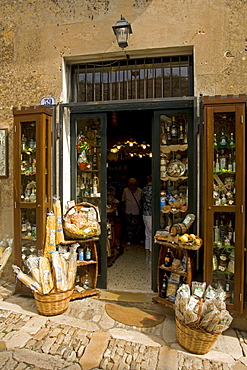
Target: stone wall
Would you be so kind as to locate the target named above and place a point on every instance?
(36, 35)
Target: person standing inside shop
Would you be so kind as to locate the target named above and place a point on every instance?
(132, 201)
(147, 217)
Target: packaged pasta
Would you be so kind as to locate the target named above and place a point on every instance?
(59, 227)
(45, 275)
(32, 263)
(27, 280)
(3, 260)
(72, 268)
(58, 264)
(50, 236)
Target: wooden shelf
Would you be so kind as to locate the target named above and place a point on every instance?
(82, 266)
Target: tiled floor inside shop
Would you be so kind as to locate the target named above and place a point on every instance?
(130, 271)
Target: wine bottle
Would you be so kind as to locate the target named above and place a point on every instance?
(164, 286)
(168, 258)
(174, 131)
(168, 135)
(181, 134)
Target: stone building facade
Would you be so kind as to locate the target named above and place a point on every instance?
(40, 39)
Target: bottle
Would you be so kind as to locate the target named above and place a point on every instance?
(23, 142)
(168, 135)
(216, 232)
(163, 135)
(222, 160)
(86, 281)
(229, 164)
(223, 139)
(88, 254)
(231, 143)
(94, 159)
(186, 133)
(168, 258)
(81, 254)
(223, 199)
(222, 232)
(217, 163)
(164, 286)
(174, 131)
(181, 134)
(215, 142)
(229, 231)
(31, 143)
(32, 197)
(233, 163)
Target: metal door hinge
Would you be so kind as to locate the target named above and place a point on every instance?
(242, 208)
(242, 118)
(15, 204)
(240, 297)
(15, 129)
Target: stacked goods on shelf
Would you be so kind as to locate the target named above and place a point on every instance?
(201, 316)
(52, 280)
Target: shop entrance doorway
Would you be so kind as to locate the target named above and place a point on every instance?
(129, 155)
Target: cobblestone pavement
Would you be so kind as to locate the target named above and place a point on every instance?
(85, 337)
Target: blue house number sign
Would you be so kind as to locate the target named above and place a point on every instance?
(49, 100)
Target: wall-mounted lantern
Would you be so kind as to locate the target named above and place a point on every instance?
(122, 30)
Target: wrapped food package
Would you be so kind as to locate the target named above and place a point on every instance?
(33, 264)
(59, 227)
(6, 254)
(27, 280)
(46, 280)
(72, 268)
(59, 267)
(50, 237)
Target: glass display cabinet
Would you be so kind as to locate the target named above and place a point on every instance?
(224, 196)
(32, 181)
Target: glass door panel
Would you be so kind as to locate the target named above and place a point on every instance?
(28, 162)
(28, 235)
(88, 173)
(173, 168)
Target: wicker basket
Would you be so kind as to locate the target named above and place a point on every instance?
(53, 303)
(195, 340)
(75, 232)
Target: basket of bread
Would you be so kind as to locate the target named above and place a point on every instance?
(201, 316)
(81, 221)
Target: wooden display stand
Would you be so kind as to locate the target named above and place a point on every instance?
(179, 250)
(91, 265)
